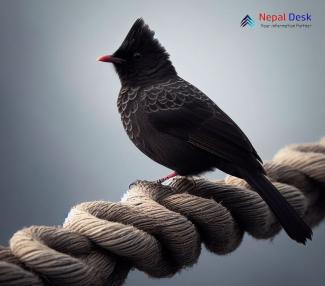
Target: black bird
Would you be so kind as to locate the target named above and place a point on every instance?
(178, 126)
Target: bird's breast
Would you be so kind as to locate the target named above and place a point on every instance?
(128, 104)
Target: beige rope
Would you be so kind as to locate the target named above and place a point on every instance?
(159, 229)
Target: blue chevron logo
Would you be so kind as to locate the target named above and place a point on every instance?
(247, 21)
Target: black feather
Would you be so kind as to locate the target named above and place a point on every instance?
(178, 126)
(294, 226)
(145, 59)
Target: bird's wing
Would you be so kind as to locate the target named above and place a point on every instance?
(180, 109)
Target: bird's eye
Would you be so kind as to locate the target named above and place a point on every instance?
(136, 55)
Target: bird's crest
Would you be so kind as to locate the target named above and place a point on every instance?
(140, 37)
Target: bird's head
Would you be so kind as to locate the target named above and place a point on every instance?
(141, 58)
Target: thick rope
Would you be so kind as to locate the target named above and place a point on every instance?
(159, 229)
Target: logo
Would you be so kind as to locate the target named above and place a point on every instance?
(280, 20)
(248, 20)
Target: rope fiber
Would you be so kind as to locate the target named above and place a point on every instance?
(159, 229)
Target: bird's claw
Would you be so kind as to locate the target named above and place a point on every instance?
(160, 181)
(144, 182)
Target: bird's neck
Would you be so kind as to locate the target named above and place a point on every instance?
(149, 76)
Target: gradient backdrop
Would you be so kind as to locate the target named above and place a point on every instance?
(62, 141)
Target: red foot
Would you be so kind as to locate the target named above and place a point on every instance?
(163, 179)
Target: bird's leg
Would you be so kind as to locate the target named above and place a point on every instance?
(163, 179)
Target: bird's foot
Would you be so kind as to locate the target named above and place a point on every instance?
(160, 181)
(163, 179)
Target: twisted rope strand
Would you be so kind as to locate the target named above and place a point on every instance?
(159, 229)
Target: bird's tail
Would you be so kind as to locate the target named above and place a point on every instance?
(292, 223)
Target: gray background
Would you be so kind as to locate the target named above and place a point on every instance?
(61, 137)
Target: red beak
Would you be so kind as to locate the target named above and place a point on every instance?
(110, 59)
